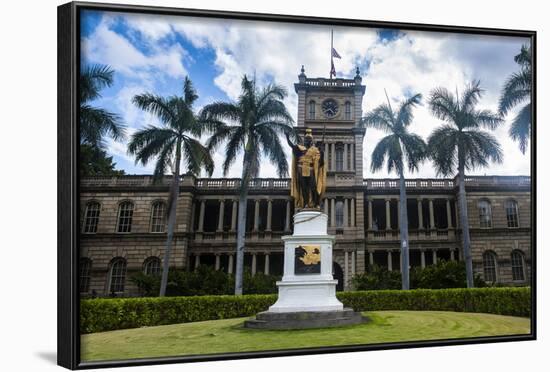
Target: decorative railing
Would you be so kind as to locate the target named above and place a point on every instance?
(470, 181)
(321, 82)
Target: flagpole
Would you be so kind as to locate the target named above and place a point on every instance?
(331, 47)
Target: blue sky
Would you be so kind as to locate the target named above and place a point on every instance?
(153, 53)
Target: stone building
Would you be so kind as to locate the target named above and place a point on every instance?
(123, 218)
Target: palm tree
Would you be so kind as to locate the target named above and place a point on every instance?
(397, 148)
(168, 146)
(461, 144)
(252, 124)
(96, 123)
(517, 89)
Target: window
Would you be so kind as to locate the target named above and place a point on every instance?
(518, 271)
(118, 275)
(512, 213)
(85, 266)
(125, 214)
(151, 266)
(485, 217)
(311, 110)
(489, 267)
(158, 217)
(91, 217)
(339, 157)
(347, 111)
(339, 213)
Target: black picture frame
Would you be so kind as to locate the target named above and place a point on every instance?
(68, 337)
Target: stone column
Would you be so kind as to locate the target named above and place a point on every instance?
(456, 214)
(217, 267)
(201, 216)
(352, 223)
(352, 264)
(449, 219)
(346, 269)
(230, 264)
(371, 258)
(266, 264)
(388, 216)
(452, 254)
(434, 256)
(369, 209)
(287, 217)
(398, 214)
(332, 212)
(345, 160)
(253, 269)
(197, 260)
(420, 216)
(333, 156)
(346, 212)
(390, 263)
(256, 214)
(269, 213)
(192, 222)
(352, 157)
(325, 206)
(422, 258)
(220, 215)
(325, 155)
(234, 215)
(432, 221)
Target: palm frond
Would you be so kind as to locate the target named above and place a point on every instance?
(236, 140)
(159, 106)
(92, 79)
(164, 159)
(404, 113)
(520, 130)
(149, 142)
(220, 112)
(517, 89)
(415, 150)
(479, 148)
(272, 148)
(442, 105)
(442, 149)
(189, 93)
(471, 96)
(95, 123)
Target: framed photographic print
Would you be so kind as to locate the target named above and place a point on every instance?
(238, 185)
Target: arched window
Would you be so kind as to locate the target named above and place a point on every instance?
(339, 157)
(117, 277)
(339, 213)
(490, 267)
(311, 114)
(485, 216)
(518, 267)
(85, 267)
(125, 214)
(158, 217)
(347, 110)
(91, 217)
(512, 213)
(151, 266)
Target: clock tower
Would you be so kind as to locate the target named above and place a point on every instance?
(332, 109)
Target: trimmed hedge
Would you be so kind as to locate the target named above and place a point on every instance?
(104, 314)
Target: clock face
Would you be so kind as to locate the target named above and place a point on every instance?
(330, 108)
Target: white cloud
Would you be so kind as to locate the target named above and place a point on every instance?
(414, 62)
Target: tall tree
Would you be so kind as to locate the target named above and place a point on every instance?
(517, 90)
(95, 162)
(170, 145)
(399, 149)
(252, 125)
(461, 144)
(96, 123)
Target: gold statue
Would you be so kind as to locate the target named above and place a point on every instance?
(308, 173)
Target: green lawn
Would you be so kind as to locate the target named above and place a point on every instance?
(228, 335)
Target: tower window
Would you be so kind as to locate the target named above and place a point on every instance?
(347, 111)
(151, 266)
(339, 157)
(485, 216)
(339, 213)
(311, 110)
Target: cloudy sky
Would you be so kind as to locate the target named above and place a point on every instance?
(153, 54)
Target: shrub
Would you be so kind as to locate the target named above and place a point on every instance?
(204, 281)
(104, 314)
(445, 274)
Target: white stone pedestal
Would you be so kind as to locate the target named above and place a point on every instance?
(308, 292)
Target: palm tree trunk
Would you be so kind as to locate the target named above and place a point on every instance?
(465, 226)
(404, 231)
(241, 231)
(174, 191)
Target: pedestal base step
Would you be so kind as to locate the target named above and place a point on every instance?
(305, 319)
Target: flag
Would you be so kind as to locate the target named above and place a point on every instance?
(335, 54)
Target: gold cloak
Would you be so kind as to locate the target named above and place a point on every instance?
(320, 174)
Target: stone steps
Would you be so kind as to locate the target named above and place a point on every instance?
(305, 319)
